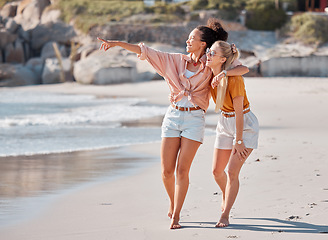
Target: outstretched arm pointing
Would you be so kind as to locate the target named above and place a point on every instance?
(128, 46)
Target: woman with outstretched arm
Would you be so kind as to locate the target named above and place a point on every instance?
(183, 126)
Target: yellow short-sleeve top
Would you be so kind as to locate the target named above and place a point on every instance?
(235, 88)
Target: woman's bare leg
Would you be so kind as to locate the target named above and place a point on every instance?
(187, 153)
(169, 152)
(234, 167)
(220, 161)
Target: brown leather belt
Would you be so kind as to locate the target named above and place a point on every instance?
(233, 115)
(185, 108)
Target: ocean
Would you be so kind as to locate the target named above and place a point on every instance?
(53, 143)
(42, 123)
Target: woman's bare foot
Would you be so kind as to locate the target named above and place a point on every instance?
(223, 222)
(175, 224)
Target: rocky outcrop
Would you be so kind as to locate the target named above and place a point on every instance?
(116, 66)
(9, 10)
(104, 68)
(149, 33)
(29, 12)
(50, 16)
(6, 38)
(56, 32)
(84, 51)
(14, 52)
(173, 34)
(112, 75)
(52, 71)
(27, 32)
(49, 52)
(11, 25)
(36, 65)
(29, 29)
(16, 75)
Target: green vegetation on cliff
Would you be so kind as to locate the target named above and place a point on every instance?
(309, 28)
(261, 14)
(3, 2)
(87, 14)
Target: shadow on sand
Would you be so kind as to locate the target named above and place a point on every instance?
(270, 225)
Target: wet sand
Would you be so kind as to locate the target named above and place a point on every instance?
(283, 191)
(28, 182)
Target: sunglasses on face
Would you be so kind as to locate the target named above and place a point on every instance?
(209, 52)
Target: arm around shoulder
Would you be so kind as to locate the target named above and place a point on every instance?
(237, 69)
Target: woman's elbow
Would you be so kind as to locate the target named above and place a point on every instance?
(246, 69)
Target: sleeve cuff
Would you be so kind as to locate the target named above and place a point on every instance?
(142, 55)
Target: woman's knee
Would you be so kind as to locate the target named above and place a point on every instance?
(182, 173)
(218, 173)
(167, 173)
(232, 174)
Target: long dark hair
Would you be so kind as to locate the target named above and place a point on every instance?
(212, 32)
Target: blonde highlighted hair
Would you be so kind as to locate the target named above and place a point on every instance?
(231, 53)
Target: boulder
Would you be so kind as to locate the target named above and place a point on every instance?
(143, 70)
(120, 74)
(14, 53)
(50, 16)
(49, 52)
(16, 75)
(36, 66)
(9, 10)
(57, 32)
(11, 25)
(22, 5)
(85, 50)
(52, 70)
(6, 37)
(25, 35)
(104, 68)
(27, 50)
(29, 12)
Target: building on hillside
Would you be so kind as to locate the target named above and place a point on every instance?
(312, 5)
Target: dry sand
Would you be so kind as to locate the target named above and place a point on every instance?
(284, 183)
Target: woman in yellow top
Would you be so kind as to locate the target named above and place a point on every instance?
(237, 129)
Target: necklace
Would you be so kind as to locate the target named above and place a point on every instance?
(195, 64)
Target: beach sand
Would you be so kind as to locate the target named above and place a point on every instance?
(283, 184)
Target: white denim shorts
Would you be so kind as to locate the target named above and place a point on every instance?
(226, 132)
(188, 124)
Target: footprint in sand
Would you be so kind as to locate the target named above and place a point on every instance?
(294, 218)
